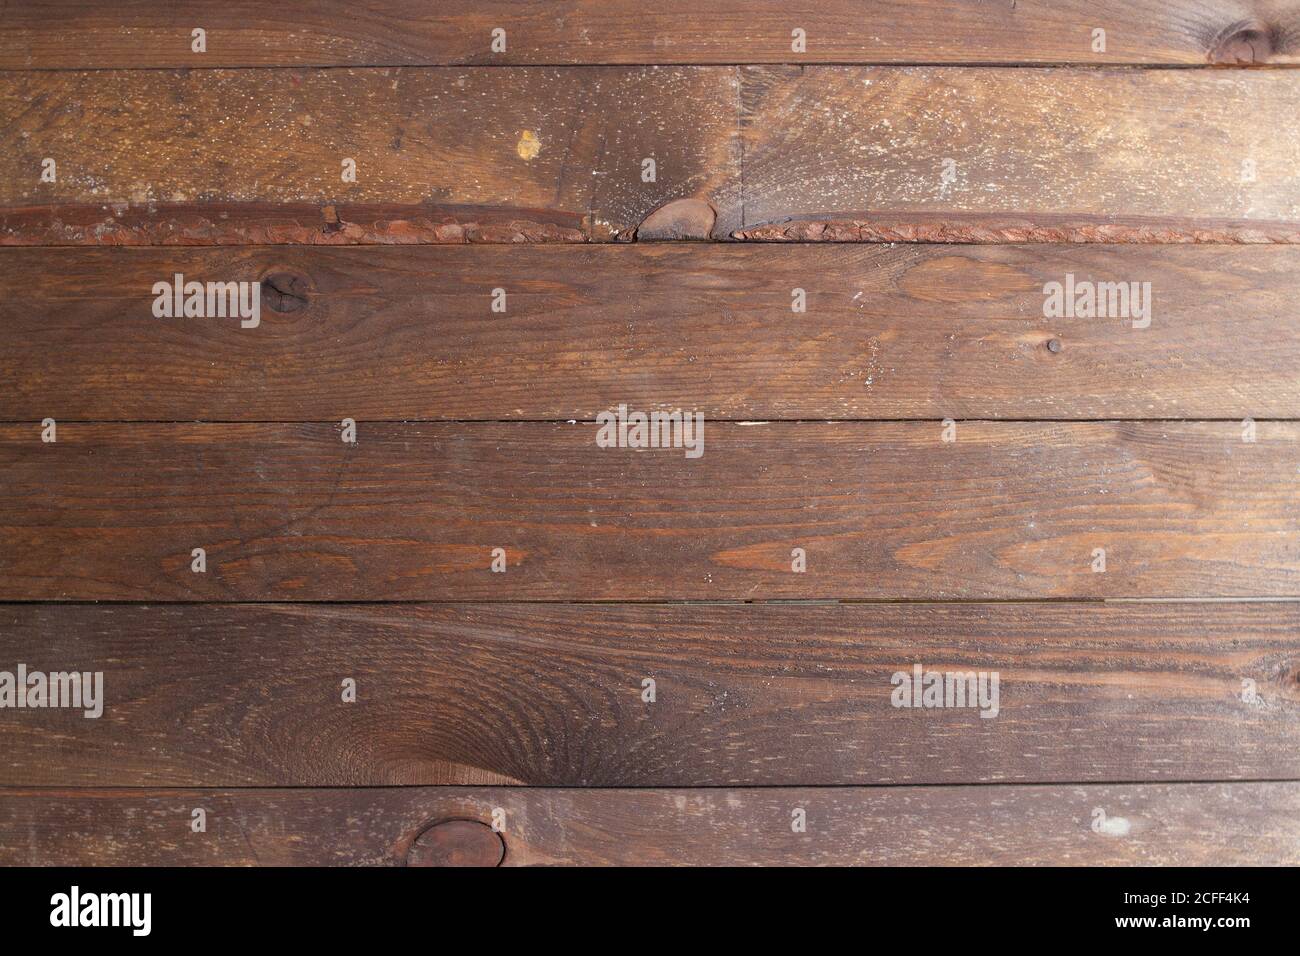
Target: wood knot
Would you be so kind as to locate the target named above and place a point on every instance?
(1244, 42)
(285, 291)
(679, 219)
(457, 843)
(1290, 680)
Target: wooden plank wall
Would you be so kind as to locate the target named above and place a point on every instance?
(990, 313)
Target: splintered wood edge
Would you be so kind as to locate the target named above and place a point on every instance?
(1033, 228)
(196, 224)
(199, 224)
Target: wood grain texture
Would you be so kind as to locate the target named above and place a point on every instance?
(538, 153)
(904, 332)
(442, 155)
(822, 432)
(413, 511)
(552, 695)
(135, 33)
(1155, 824)
(1052, 155)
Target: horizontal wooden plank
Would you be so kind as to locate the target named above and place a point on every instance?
(976, 155)
(441, 155)
(415, 511)
(135, 33)
(555, 695)
(555, 153)
(1154, 824)
(890, 332)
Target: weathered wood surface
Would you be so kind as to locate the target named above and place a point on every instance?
(1052, 155)
(61, 34)
(890, 332)
(554, 695)
(883, 510)
(1245, 824)
(539, 153)
(442, 155)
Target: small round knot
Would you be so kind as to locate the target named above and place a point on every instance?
(1290, 680)
(457, 843)
(1243, 42)
(679, 219)
(285, 292)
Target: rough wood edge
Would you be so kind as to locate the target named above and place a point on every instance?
(200, 224)
(225, 224)
(1031, 228)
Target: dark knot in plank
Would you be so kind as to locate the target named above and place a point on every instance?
(285, 292)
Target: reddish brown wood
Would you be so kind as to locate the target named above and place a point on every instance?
(1255, 824)
(896, 333)
(457, 843)
(237, 224)
(998, 228)
(522, 153)
(441, 155)
(1015, 155)
(135, 33)
(763, 713)
(555, 695)
(414, 511)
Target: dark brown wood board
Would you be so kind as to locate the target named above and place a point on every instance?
(553, 154)
(744, 694)
(901, 332)
(466, 633)
(881, 510)
(78, 34)
(1223, 824)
